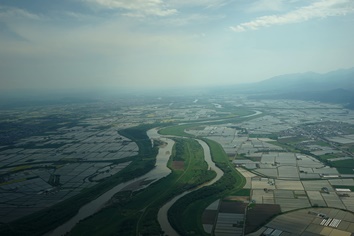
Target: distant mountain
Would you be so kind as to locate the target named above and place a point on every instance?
(332, 87)
(331, 96)
(309, 81)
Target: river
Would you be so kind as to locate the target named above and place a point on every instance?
(155, 174)
(254, 114)
(224, 119)
(162, 216)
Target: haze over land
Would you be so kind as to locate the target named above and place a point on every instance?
(146, 44)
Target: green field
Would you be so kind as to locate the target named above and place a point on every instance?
(177, 130)
(328, 156)
(343, 166)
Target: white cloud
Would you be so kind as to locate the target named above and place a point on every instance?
(198, 3)
(319, 9)
(136, 8)
(189, 19)
(267, 5)
(16, 13)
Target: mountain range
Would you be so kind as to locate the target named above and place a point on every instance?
(332, 87)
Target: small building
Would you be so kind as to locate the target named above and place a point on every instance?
(343, 190)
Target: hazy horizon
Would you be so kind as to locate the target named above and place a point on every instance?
(169, 43)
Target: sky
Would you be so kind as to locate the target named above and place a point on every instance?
(52, 44)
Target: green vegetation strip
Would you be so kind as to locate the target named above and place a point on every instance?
(185, 215)
(138, 214)
(235, 114)
(178, 130)
(48, 219)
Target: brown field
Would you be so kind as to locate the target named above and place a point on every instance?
(244, 199)
(209, 216)
(259, 214)
(178, 165)
(232, 207)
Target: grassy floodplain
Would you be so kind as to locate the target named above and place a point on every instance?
(185, 214)
(178, 130)
(50, 218)
(138, 213)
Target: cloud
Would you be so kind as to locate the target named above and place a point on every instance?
(16, 13)
(267, 5)
(198, 3)
(10, 17)
(319, 9)
(136, 8)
